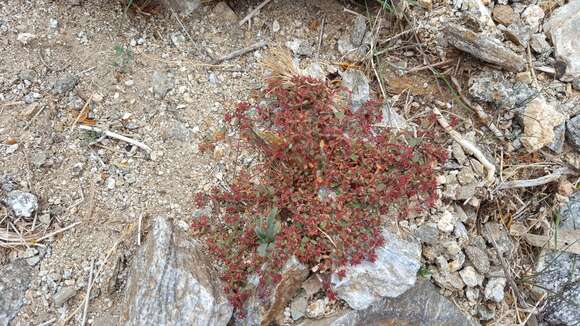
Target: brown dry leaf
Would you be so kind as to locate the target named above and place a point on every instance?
(11, 141)
(313, 24)
(84, 118)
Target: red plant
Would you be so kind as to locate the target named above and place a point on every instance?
(326, 179)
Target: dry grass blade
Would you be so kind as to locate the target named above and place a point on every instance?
(10, 239)
(281, 66)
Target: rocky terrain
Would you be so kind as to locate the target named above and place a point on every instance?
(105, 108)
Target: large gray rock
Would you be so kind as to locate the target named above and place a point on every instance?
(21, 203)
(171, 283)
(558, 273)
(65, 84)
(570, 213)
(562, 28)
(162, 82)
(15, 279)
(492, 87)
(393, 273)
(421, 305)
(573, 132)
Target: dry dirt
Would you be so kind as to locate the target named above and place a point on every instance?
(109, 187)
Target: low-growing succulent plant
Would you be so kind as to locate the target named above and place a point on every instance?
(326, 180)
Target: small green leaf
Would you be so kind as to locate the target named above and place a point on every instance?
(414, 141)
(259, 233)
(262, 249)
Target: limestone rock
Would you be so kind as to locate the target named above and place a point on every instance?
(21, 203)
(171, 283)
(539, 44)
(504, 14)
(65, 84)
(162, 83)
(470, 276)
(558, 273)
(393, 273)
(63, 295)
(478, 258)
(494, 289)
(420, 305)
(358, 84)
(570, 213)
(225, 13)
(562, 28)
(491, 86)
(539, 119)
(532, 16)
(573, 132)
(300, 47)
(15, 278)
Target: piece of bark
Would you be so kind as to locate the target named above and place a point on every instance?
(563, 240)
(483, 47)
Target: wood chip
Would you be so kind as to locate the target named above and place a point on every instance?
(484, 47)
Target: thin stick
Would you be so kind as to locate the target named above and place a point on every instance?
(99, 271)
(58, 231)
(253, 12)
(433, 65)
(397, 36)
(34, 117)
(87, 103)
(353, 12)
(320, 37)
(8, 238)
(14, 103)
(376, 28)
(554, 176)
(531, 67)
(240, 52)
(506, 270)
(546, 69)
(88, 295)
(117, 136)
(467, 146)
(139, 229)
(326, 234)
(48, 322)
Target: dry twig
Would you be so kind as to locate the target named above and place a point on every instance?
(320, 37)
(11, 239)
(253, 12)
(240, 52)
(467, 146)
(554, 176)
(506, 270)
(88, 293)
(117, 136)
